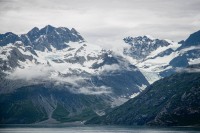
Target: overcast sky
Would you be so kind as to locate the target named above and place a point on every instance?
(104, 21)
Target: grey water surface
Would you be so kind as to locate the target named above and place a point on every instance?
(95, 129)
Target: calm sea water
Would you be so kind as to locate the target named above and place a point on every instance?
(94, 129)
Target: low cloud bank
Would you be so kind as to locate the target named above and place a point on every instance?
(31, 73)
(75, 83)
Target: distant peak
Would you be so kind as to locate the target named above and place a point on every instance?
(9, 33)
(49, 26)
(47, 29)
(74, 31)
(35, 29)
(130, 39)
(150, 37)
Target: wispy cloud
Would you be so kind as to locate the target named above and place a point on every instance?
(188, 70)
(109, 68)
(94, 90)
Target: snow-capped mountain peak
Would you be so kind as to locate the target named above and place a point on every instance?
(159, 58)
(45, 38)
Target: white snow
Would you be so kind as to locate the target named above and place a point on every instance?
(28, 39)
(173, 46)
(158, 64)
(5, 51)
(189, 49)
(194, 61)
(142, 88)
(134, 95)
(57, 32)
(162, 60)
(151, 76)
(22, 50)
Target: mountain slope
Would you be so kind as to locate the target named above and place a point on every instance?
(32, 104)
(171, 101)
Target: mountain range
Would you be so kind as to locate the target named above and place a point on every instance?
(53, 75)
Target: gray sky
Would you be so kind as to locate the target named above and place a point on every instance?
(104, 21)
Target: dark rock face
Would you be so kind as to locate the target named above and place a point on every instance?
(107, 60)
(122, 82)
(180, 61)
(45, 38)
(193, 39)
(172, 101)
(7, 38)
(166, 52)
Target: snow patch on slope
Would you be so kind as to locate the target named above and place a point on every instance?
(151, 76)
